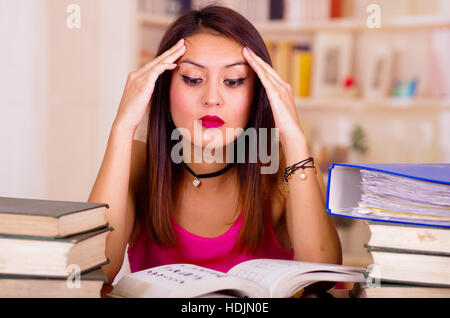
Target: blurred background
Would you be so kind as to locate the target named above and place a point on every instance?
(371, 80)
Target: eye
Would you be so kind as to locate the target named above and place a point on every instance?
(234, 82)
(191, 81)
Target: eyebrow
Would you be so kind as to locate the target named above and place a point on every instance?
(226, 66)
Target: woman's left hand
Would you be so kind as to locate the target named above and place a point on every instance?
(280, 95)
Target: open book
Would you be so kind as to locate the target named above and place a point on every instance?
(258, 278)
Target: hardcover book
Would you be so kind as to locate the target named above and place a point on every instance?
(410, 237)
(409, 266)
(86, 285)
(57, 257)
(19, 216)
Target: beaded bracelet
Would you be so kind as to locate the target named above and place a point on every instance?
(289, 171)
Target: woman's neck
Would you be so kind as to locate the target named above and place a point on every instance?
(203, 161)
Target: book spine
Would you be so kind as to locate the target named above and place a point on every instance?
(409, 237)
(175, 7)
(302, 60)
(335, 9)
(283, 59)
(276, 9)
(270, 45)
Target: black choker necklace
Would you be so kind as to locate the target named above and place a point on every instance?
(196, 181)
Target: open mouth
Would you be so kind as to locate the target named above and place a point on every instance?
(211, 121)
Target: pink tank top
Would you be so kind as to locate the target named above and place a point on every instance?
(214, 253)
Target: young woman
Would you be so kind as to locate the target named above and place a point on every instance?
(212, 73)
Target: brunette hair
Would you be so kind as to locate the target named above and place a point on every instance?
(158, 193)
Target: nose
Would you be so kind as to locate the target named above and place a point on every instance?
(212, 95)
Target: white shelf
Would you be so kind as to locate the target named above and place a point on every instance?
(342, 24)
(348, 24)
(360, 104)
(286, 28)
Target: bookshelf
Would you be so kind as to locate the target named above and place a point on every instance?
(367, 105)
(398, 129)
(278, 30)
(283, 28)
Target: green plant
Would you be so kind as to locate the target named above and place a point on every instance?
(359, 140)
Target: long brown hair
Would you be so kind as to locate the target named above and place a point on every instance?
(158, 193)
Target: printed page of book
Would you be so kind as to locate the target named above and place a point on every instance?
(272, 274)
(182, 280)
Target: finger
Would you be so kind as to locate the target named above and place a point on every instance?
(261, 72)
(253, 56)
(171, 56)
(170, 51)
(278, 85)
(145, 83)
(152, 75)
(168, 56)
(169, 60)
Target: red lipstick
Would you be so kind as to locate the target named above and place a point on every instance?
(209, 121)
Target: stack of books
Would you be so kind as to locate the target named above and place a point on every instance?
(409, 261)
(407, 208)
(52, 248)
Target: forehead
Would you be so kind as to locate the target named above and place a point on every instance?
(212, 50)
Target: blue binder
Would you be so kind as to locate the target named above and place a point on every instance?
(344, 182)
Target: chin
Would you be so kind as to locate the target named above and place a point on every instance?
(211, 141)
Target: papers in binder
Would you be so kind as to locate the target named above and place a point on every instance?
(386, 195)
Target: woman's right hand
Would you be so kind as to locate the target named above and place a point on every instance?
(140, 84)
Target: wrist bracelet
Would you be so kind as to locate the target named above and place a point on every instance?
(289, 171)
